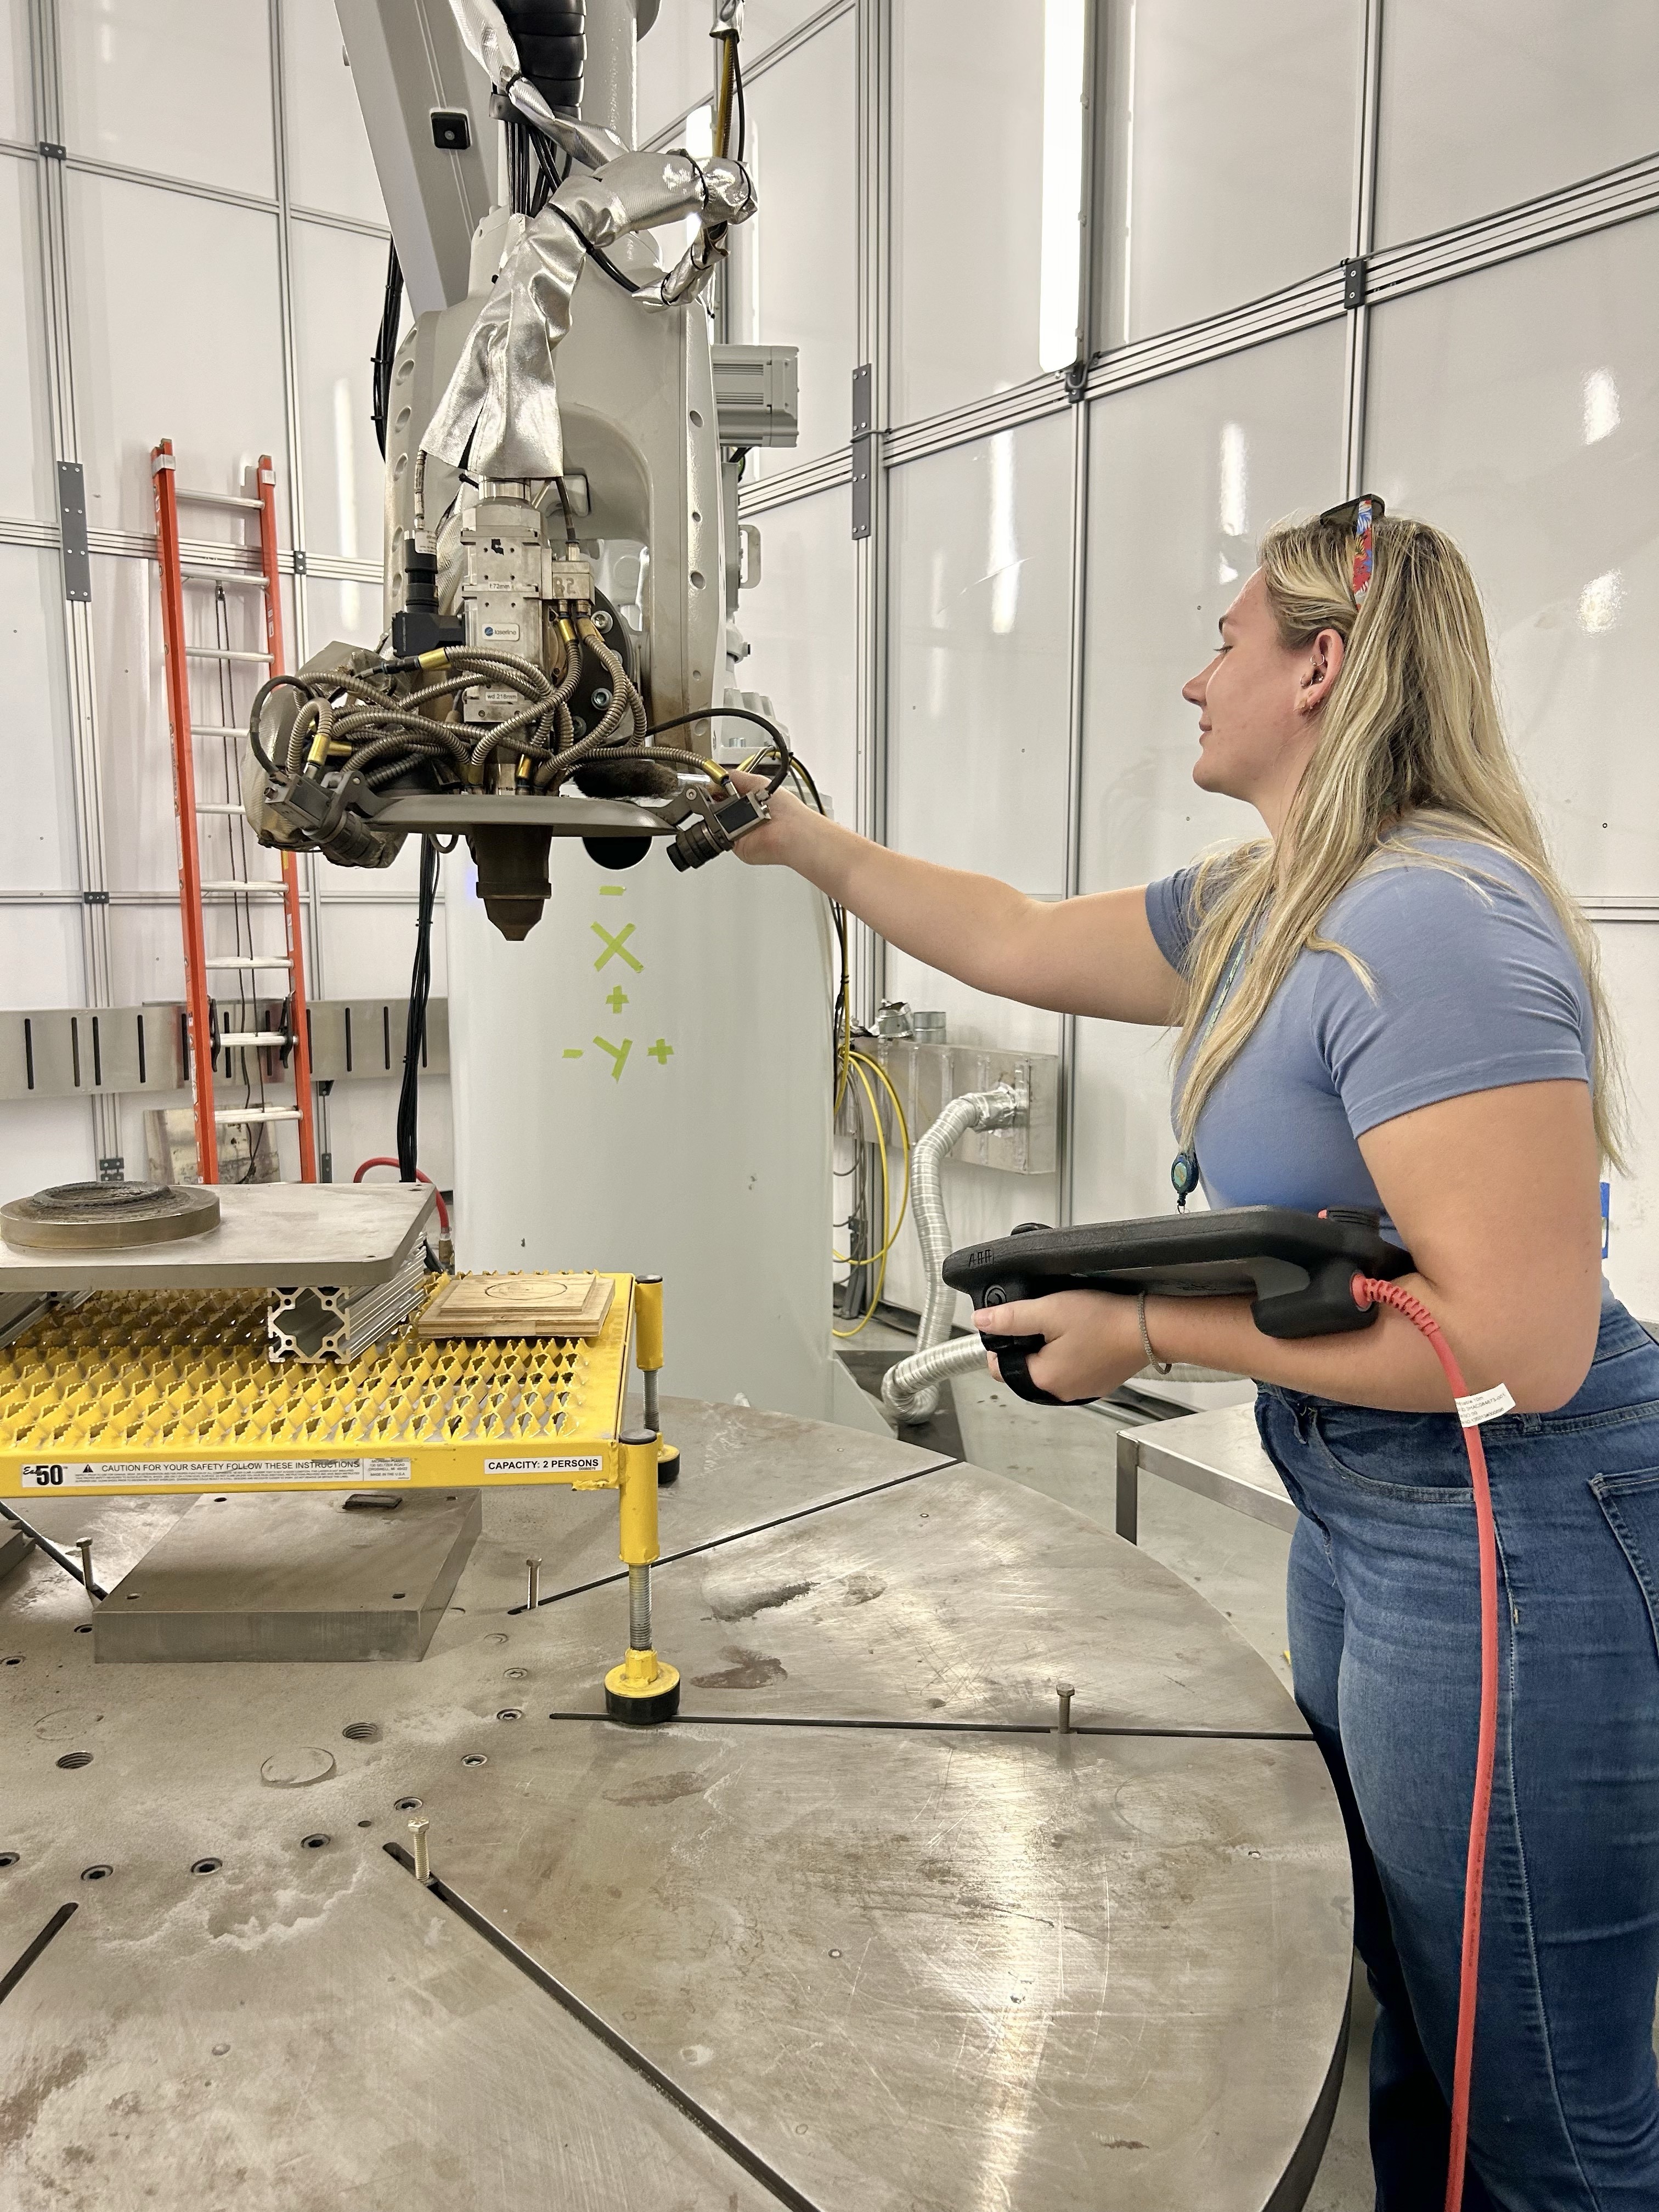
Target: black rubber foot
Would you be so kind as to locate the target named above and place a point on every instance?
(668, 1469)
(642, 1713)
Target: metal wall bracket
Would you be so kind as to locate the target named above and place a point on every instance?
(72, 532)
(863, 450)
(1354, 282)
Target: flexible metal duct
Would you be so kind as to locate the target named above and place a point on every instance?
(910, 1391)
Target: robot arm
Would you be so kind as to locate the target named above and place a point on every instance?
(555, 600)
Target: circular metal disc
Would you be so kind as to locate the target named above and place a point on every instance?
(108, 1217)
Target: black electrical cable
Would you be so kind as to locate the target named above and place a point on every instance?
(779, 744)
(595, 253)
(737, 95)
(420, 987)
(386, 345)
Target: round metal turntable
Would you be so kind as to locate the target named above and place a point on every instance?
(108, 1217)
(862, 1930)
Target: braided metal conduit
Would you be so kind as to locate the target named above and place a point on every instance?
(910, 1391)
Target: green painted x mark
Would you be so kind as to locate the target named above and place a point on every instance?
(617, 944)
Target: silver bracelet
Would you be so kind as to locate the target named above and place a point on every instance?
(1163, 1366)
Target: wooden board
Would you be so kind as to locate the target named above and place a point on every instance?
(520, 1305)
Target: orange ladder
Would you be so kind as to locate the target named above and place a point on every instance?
(205, 1039)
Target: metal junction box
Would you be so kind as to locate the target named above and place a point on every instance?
(926, 1076)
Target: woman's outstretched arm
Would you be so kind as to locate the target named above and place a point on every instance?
(1082, 956)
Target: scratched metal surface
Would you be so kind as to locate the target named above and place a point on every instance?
(1111, 1969)
(960, 1595)
(303, 2037)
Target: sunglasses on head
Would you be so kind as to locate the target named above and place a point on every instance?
(1358, 518)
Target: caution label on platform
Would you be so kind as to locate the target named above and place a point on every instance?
(203, 1474)
(591, 1463)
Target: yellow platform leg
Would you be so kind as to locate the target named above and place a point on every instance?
(644, 1689)
(648, 1342)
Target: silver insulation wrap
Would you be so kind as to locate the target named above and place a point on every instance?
(503, 396)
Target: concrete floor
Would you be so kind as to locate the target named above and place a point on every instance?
(1239, 1566)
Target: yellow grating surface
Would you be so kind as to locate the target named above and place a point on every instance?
(167, 1375)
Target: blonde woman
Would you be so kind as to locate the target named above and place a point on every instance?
(1389, 1002)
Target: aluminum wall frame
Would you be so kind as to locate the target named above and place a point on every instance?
(1574, 210)
(53, 162)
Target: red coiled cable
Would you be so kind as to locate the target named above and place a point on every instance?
(1368, 1291)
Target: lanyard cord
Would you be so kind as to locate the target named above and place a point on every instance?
(1183, 1168)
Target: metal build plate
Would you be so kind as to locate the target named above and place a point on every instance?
(874, 1615)
(139, 1390)
(309, 2030)
(270, 1235)
(251, 1576)
(910, 1967)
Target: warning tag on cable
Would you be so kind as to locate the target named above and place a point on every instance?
(1484, 1406)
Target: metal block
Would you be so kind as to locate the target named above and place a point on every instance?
(926, 1076)
(285, 1578)
(16, 1545)
(757, 394)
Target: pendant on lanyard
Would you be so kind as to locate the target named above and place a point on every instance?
(1183, 1168)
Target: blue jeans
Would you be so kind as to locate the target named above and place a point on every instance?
(1384, 1613)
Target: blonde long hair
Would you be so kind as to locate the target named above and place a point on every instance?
(1411, 741)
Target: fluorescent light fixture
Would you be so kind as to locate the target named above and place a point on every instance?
(1235, 482)
(1600, 406)
(1600, 601)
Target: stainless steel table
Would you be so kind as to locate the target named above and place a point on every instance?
(862, 1930)
(1217, 1454)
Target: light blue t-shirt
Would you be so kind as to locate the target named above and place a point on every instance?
(1474, 985)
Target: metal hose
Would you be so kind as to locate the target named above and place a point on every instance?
(910, 1391)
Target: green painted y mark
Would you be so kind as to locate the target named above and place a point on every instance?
(618, 1053)
(617, 945)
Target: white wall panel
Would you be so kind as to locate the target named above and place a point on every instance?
(329, 163)
(339, 281)
(968, 203)
(16, 93)
(44, 1143)
(370, 935)
(27, 484)
(977, 733)
(140, 840)
(363, 1126)
(342, 608)
(43, 966)
(1519, 409)
(176, 87)
(794, 262)
(1186, 474)
(1225, 179)
(799, 620)
(979, 665)
(1482, 106)
(37, 824)
(155, 358)
(677, 58)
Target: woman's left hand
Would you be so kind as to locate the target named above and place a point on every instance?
(1093, 1340)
